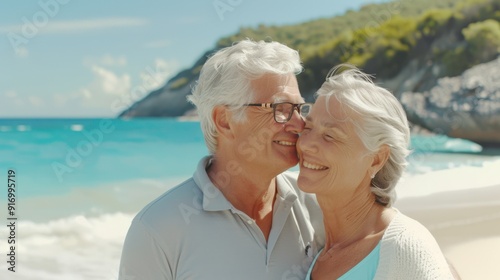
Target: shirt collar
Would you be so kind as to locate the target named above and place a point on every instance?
(214, 200)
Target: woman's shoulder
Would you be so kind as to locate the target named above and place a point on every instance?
(403, 227)
(409, 249)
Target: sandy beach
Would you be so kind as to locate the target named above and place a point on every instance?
(466, 224)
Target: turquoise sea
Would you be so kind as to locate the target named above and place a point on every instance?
(79, 182)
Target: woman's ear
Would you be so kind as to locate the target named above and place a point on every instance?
(379, 159)
(221, 117)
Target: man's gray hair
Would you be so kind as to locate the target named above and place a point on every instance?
(226, 76)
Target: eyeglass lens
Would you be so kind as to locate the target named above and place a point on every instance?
(283, 111)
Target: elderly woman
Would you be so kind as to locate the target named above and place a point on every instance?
(352, 153)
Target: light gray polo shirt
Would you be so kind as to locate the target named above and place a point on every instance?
(193, 232)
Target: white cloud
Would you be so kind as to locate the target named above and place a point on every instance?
(85, 93)
(36, 101)
(109, 82)
(96, 98)
(10, 94)
(13, 104)
(108, 87)
(106, 60)
(74, 26)
(21, 52)
(12, 98)
(60, 99)
(156, 76)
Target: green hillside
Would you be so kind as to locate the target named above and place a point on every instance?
(382, 38)
(407, 45)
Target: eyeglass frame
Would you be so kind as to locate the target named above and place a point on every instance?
(296, 107)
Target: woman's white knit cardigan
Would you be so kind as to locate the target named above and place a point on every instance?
(409, 251)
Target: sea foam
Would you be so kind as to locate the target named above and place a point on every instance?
(72, 248)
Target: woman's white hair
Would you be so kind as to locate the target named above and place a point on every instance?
(226, 76)
(381, 121)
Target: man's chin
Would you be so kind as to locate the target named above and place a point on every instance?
(291, 162)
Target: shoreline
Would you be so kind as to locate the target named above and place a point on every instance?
(466, 225)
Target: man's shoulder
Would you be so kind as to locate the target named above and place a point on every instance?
(168, 207)
(291, 175)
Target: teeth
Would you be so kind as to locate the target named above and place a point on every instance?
(285, 143)
(313, 166)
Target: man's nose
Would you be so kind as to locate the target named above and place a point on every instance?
(296, 123)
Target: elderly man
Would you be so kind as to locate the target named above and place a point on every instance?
(240, 216)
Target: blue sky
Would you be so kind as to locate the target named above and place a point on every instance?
(74, 58)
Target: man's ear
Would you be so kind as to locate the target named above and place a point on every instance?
(379, 159)
(221, 117)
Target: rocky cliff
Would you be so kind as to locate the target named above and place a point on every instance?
(466, 106)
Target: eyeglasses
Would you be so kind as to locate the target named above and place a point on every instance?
(283, 111)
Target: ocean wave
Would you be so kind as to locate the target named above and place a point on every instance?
(80, 234)
(484, 174)
(76, 127)
(23, 128)
(72, 248)
(443, 144)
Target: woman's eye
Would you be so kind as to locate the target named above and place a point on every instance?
(329, 137)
